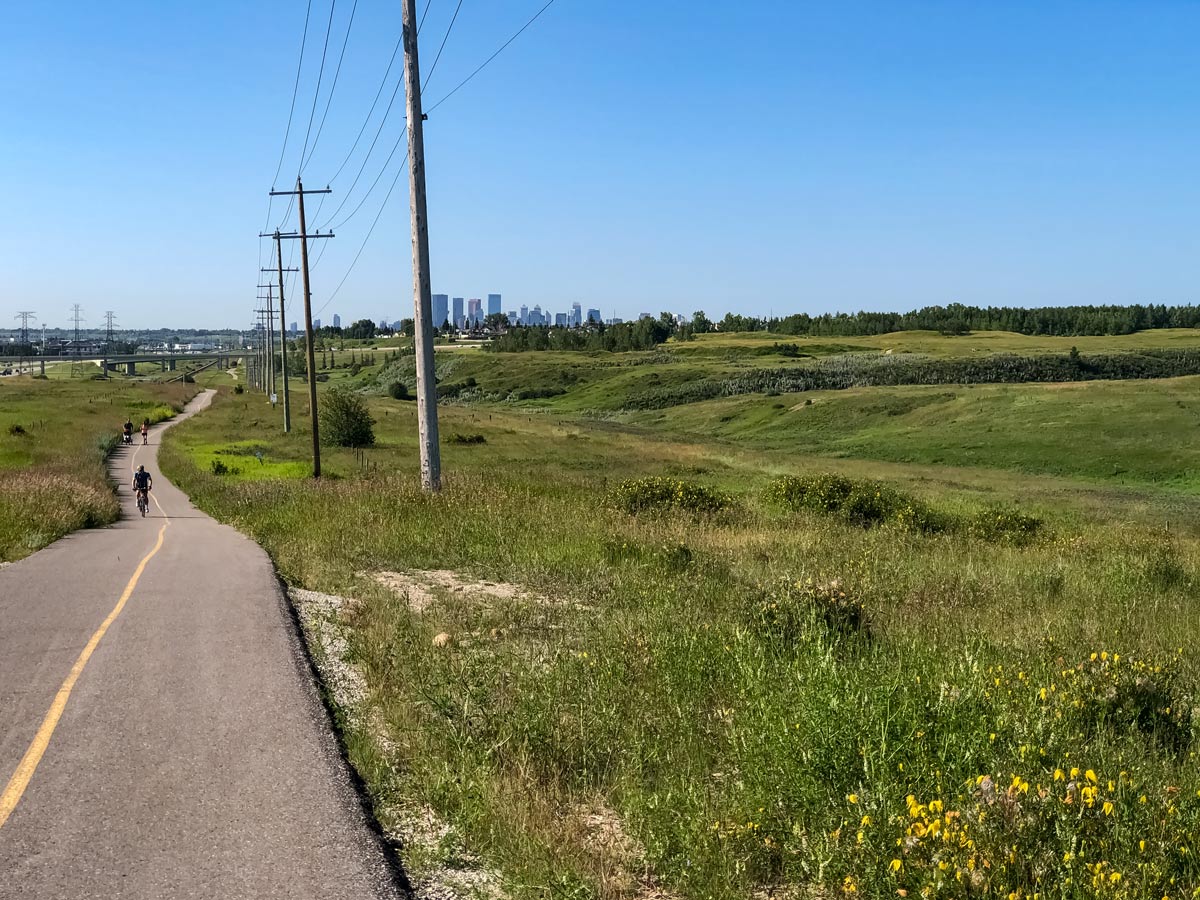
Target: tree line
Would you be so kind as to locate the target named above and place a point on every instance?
(645, 334)
(956, 318)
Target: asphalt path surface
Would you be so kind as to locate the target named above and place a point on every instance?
(160, 732)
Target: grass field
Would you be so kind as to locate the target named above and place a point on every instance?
(55, 436)
(686, 689)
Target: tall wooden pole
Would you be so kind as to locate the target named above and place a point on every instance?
(431, 462)
(308, 330)
(287, 403)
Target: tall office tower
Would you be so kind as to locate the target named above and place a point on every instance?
(337, 321)
(441, 303)
(458, 312)
(316, 324)
(524, 317)
(474, 311)
(576, 315)
(536, 317)
(493, 304)
(594, 317)
(295, 327)
(512, 318)
(561, 320)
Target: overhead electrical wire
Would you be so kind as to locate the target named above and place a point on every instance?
(484, 65)
(333, 87)
(370, 231)
(292, 110)
(317, 93)
(445, 38)
(395, 147)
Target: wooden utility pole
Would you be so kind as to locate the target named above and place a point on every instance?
(270, 298)
(287, 402)
(304, 237)
(427, 423)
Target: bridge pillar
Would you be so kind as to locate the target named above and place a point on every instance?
(42, 362)
(130, 369)
(171, 365)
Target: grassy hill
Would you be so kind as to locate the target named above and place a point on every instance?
(642, 651)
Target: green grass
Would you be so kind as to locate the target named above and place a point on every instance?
(755, 692)
(55, 436)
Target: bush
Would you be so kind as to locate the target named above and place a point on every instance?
(788, 611)
(857, 500)
(219, 468)
(1001, 525)
(17, 430)
(457, 438)
(398, 390)
(642, 494)
(239, 389)
(345, 420)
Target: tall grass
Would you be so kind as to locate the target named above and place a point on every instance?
(773, 701)
(55, 440)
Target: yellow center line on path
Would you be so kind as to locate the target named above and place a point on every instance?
(16, 786)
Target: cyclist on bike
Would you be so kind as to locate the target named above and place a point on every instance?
(142, 480)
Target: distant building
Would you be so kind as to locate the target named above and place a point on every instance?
(615, 321)
(316, 324)
(494, 304)
(474, 312)
(295, 328)
(562, 320)
(441, 306)
(593, 317)
(536, 317)
(458, 313)
(337, 321)
(523, 318)
(513, 319)
(644, 316)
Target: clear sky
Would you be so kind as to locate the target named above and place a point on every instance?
(630, 154)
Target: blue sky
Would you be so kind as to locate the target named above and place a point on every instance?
(756, 157)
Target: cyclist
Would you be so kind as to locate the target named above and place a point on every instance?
(142, 481)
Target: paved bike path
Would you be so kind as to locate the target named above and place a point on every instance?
(192, 757)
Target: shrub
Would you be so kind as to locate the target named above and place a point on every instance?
(239, 389)
(790, 610)
(457, 438)
(398, 390)
(643, 494)
(1000, 525)
(345, 420)
(17, 430)
(860, 501)
(218, 468)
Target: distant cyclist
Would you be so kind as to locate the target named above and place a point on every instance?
(142, 480)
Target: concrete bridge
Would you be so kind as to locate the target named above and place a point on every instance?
(127, 362)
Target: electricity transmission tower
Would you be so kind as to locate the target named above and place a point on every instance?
(77, 364)
(109, 319)
(283, 362)
(26, 316)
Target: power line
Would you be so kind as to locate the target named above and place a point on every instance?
(445, 38)
(333, 87)
(421, 24)
(371, 111)
(371, 149)
(395, 147)
(295, 91)
(462, 83)
(320, 76)
(370, 231)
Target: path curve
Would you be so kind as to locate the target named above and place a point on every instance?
(161, 735)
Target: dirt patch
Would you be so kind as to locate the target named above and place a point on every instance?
(422, 588)
(619, 858)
